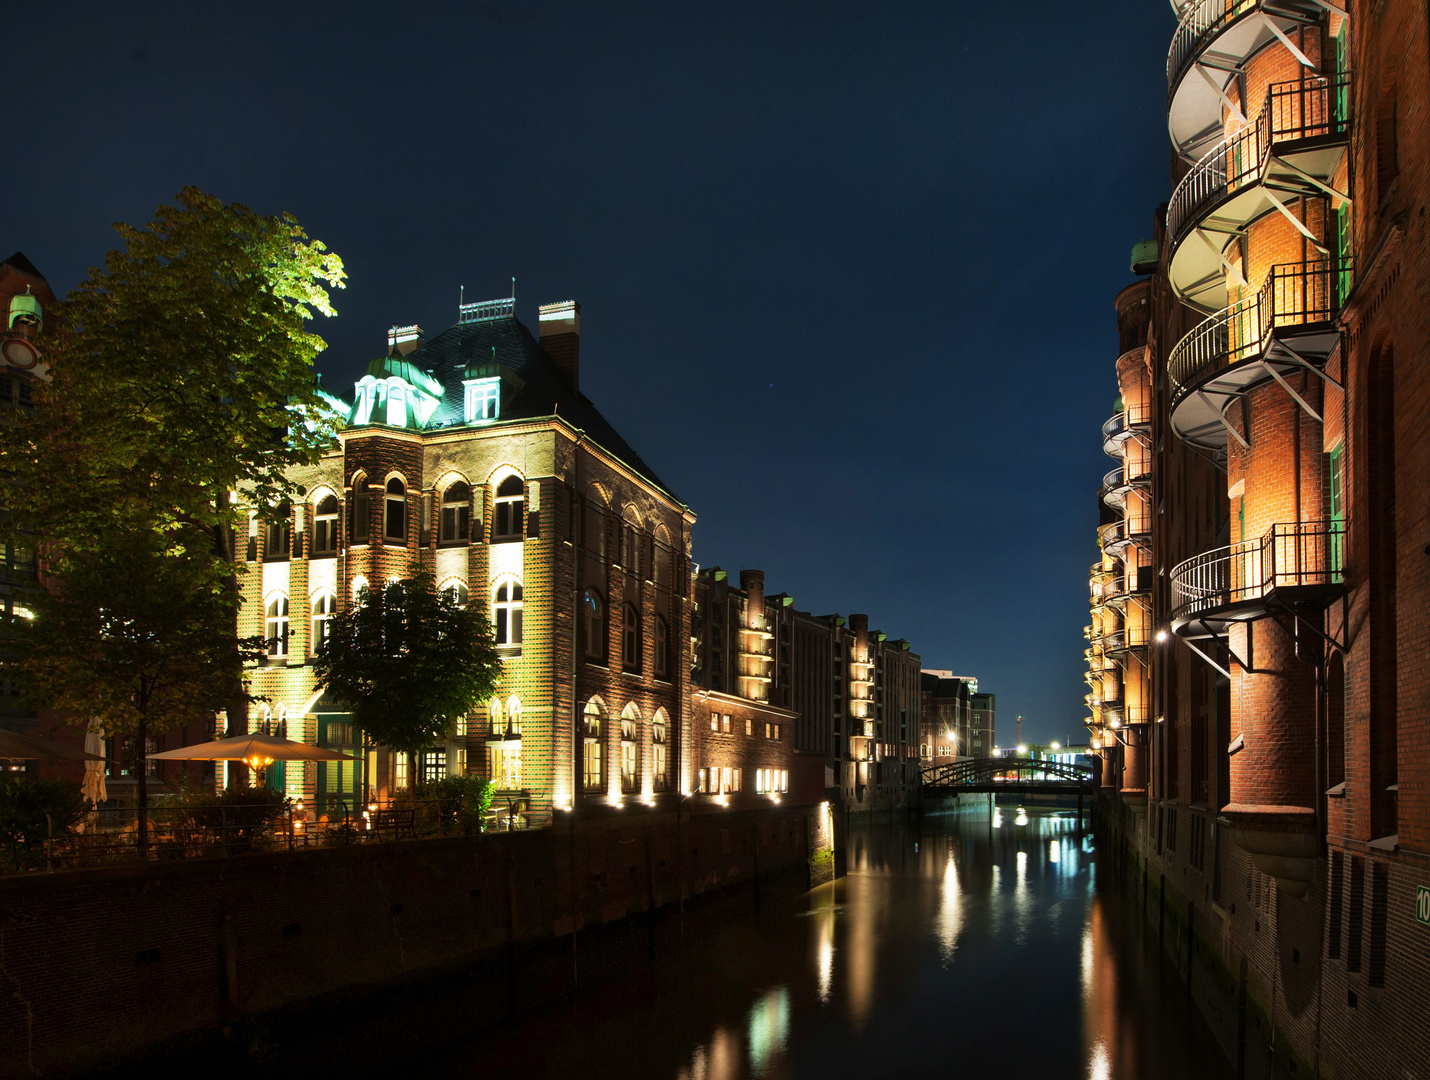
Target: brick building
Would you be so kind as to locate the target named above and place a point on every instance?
(848, 695)
(1258, 641)
(474, 457)
(948, 727)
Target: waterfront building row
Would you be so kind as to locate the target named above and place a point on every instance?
(1255, 638)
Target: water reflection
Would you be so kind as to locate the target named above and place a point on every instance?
(960, 930)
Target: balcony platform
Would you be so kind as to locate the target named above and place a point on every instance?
(1209, 50)
(1295, 146)
(1287, 326)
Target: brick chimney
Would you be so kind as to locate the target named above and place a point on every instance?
(560, 332)
(405, 339)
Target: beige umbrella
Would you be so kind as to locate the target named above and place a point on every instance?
(257, 751)
(94, 787)
(14, 746)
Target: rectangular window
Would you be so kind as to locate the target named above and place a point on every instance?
(714, 721)
(591, 766)
(482, 400)
(749, 726)
(1379, 908)
(362, 516)
(767, 730)
(399, 772)
(1357, 913)
(1338, 884)
(725, 723)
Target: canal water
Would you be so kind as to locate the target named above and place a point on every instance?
(957, 945)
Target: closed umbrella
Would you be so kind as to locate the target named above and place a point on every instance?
(14, 746)
(257, 751)
(94, 787)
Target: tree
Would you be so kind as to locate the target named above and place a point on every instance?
(183, 388)
(408, 663)
(136, 636)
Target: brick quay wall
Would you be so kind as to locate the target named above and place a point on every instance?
(100, 965)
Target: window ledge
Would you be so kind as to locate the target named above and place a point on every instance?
(389, 542)
(452, 544)
(598, 665)
(507, 539)
(509, 652)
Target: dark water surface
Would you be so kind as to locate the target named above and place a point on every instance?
(956, 946)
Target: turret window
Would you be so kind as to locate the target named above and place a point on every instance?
(508, 519)
(394, 528)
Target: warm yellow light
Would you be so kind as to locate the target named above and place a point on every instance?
(1022, 748)
(1057, 746)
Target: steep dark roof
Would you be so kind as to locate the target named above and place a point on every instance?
(22, 264)
(542, 393)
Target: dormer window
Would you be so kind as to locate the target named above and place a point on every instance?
(508, 516)
(483, 400)
(396, 405)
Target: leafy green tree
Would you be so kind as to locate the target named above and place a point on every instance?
(183, 386)
(33, 809)
(408, 663)
(136, 636)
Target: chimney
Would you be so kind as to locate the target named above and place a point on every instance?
(752, 582)
(560, 332)
(405, 339)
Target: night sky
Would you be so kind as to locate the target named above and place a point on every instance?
(846, 269)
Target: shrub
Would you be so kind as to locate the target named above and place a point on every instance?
(31, 809)
(453, 804)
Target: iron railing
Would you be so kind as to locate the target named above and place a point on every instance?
(1291, 110)
(1298, 553)
(1136, 416)
(1293, 294)
(110, 834)
(1201, 19)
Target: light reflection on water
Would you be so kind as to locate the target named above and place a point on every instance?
(957, 943)
(948, 926)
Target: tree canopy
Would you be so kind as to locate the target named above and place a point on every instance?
(182, 374)
(408, 662)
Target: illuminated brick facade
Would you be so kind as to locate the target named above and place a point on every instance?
(1274, 788)
(474, 457)
(850, 695)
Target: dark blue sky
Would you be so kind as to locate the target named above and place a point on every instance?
(846, 269)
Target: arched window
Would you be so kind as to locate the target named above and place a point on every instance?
(394, 528)
(507, 518)
(660, 749)
(360, 505)
(630, 639)
(275, 627)
(456, 524)
(631, 544)
(591, 746)
(593, 624)
(325, 526)
(456, 592)
(359, 584)
(506, 755)
(497, 724)
(324, 604)
(506, 612)
(513, 715)
(280, 534)
(630, 734)
(662, 647)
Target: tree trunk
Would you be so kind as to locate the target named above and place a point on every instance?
(141, 760)
(236, 711)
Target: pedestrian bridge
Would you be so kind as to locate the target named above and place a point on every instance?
(996, 776)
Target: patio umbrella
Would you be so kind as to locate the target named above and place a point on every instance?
(14, 746)
(257, 751)
(94, 787)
